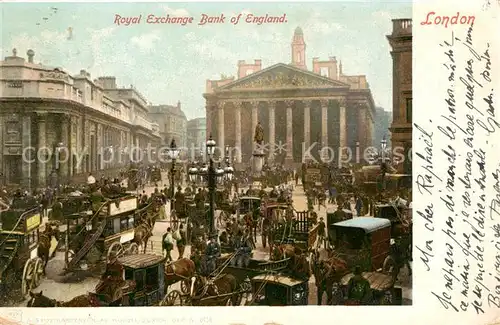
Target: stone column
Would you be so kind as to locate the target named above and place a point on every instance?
(307, 123)
(26, 143)
(255, 106)
(363, 127)
(42, 143)
(100, 146)
(65, 154)
(342, 125)
(237, 121)
(324, 122)
(289, 131)
(2, 128)
(272, 126)
(220, 128)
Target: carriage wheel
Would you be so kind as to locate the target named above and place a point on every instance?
(38, 272)
(173, 298)
(186, 286)
(389, 266)
(229, 301)
(28, 278)
(132, 249)
(115, 251)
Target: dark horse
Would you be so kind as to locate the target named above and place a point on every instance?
(214, 292)
(44, 244)
(87, 300)
(327, 274)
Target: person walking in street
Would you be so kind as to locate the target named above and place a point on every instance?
(168, 244)
(359, 205)
(322, 240)
(180, 238)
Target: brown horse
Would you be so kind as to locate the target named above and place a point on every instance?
(44, 244)
(214, 292)
(143, 232)
(279, 252)
(181, 270)
(327, 273)
(87, 300)
(251, 223)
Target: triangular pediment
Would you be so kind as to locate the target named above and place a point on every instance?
(282, 76)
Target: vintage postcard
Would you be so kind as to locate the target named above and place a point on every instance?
(187, 155)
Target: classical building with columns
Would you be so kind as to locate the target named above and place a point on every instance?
(297, 107)
(80, 122)
(402, 98)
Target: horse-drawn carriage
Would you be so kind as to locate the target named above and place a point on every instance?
(133, 179)
(155, 174)
(20, 264)
(132, 280)
(95, 236)
(272, 289)
(299, 230)
(366, 242)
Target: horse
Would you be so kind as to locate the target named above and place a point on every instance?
(208, 292)
(143, 232)
(86, 300)
(327, 275)
(251, 222)
(181, 270)
(279, 252)
(44, 244)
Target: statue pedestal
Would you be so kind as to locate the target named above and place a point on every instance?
(257, 163)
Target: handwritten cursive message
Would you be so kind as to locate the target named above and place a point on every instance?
(458, 176)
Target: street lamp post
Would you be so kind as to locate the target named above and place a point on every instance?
(383, 166)
(213, 176)
(173, 153)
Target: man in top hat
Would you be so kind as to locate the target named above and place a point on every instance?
(212, 252)
(358, 288)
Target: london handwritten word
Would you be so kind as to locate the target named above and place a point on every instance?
(203, 20)
(433, 19)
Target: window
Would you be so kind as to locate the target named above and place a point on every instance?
(409, 110)
(298, 57)
(324, 71)
(249, 71)
(116, 225)
(152, 278)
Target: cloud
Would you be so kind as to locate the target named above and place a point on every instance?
(382, 15)
(211, 49)
(319, 25)
(175, 12)
(146, 42)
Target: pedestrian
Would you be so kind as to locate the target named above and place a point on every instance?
(168, 244)
(322, 240)
(359, 205)
(180, 237)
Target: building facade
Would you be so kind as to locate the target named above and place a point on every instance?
(172, 123)
(383, 120)
(300, 110)
(52, 122)
(197, 133)
(401, 126)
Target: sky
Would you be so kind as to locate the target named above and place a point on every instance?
(168, 63)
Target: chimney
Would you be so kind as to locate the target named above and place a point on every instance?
(179, 104)
(14, 52)
(83, 72)
(31, 55)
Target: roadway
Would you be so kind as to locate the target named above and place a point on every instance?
(64, 288)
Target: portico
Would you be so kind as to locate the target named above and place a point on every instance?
(296, 108)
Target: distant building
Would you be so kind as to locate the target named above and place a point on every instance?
(401, 127)
(172, 123)
(197, 133)
(298, 107)
(382, 123)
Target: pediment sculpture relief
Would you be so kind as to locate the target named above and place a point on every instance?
(282, 80)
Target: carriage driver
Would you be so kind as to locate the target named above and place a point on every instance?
(212, 252)
(243, 250)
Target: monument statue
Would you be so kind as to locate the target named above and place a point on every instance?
(259, 134)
